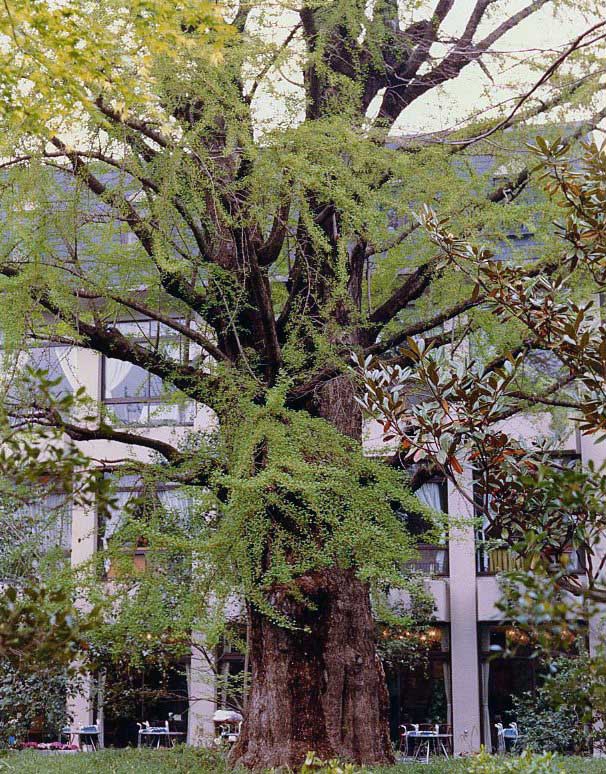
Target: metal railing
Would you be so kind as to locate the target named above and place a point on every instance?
(496, 560)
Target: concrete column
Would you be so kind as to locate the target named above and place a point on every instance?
(202, 698)
(463, 624)
(84, 545)
(596, 453)
(80, 704)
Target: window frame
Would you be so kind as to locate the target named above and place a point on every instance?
(148, 399)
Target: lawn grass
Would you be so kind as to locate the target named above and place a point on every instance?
(186, 760)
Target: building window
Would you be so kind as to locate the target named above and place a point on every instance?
(420, 690)
(59, 362)
(136, 397)
(32, 531)
(432, 556)
(135, 499)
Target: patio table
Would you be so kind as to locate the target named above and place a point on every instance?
(82, 732)
(426, 739)
(159, 732)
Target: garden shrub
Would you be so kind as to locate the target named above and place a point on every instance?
(564, 714)
(315, 765)
(32, 700)
(526, 763)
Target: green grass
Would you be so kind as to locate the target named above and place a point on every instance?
(189, 761)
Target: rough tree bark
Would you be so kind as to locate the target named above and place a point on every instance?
(319, 688)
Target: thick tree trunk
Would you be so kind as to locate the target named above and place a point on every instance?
(319, 687)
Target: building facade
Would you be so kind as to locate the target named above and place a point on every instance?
(460, 684)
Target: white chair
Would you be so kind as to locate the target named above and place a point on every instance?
(500, 738)
(512, 736)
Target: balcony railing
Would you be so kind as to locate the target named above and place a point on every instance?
(496, 560)
(431, 560)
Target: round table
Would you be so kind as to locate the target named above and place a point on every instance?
(426, 738)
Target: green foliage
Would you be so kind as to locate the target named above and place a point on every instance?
(315, 765)
(33, 699)
(134, 162)
(62, 58)
(544, 511)
(182, 760)
(297, 485)
(526, 763)
(565, 713)
(404, 631)
(549, 728)
(186, 760)
(41, 626)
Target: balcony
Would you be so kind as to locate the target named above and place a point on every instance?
(496, 560)
(431, 560)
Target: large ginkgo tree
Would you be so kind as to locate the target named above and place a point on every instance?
(242, 175)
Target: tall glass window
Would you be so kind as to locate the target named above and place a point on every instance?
(137, 397)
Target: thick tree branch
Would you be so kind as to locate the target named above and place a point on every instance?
(540, 398)
(142, 127)
(425, 35)
(270, 250)
(262, 291)
(189, 333)
(423, 326)
(412, 288)
(104, 432)
(399, 95)
(195, 382)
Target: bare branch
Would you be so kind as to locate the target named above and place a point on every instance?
(412, 288)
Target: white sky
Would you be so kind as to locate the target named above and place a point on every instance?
(472, 91)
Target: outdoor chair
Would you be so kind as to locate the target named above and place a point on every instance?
(507, 738)
(446, 730)
(405, 730)
(511, 737)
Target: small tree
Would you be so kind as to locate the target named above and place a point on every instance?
(543, 510)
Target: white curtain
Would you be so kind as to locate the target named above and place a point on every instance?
(114, 517)
(111, 524)
(188, 678)
(447, 690)
(173, 500)
(115, 373)
(445, 648)
(429, 494)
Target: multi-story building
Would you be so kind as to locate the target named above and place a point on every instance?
(461, 684)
